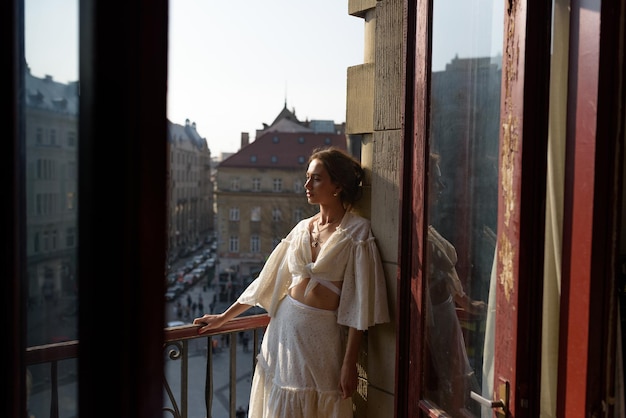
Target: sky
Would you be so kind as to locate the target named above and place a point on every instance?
(232, 65)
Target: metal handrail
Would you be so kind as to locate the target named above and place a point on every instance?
(177, 340)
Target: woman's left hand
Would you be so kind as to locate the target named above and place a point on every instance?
(348, 380)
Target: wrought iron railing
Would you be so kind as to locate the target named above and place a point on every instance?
(181, 344)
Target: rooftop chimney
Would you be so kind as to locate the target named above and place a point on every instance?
(245, 139)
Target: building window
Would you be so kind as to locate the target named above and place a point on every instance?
(45, 169)
(71, 139)
(44, 203)
(277, 185)
(253, 158)
(234, 184)
(274, 159)
(255, 214)
(53, 136)
(39, 136)
(277, 215)
(53, 239)
(298, 187)
(70, 237)
(256, 184)
(255, 244)
(301, 160)
(301, 140)
(233, 214)
(233, 244)
(327, 141)
(36, 242)
(275, 140)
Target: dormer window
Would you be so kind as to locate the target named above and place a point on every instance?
(253, 158)
(275, 140)
(35, 96)
(301, 140)
(274, 159)
(60, 103)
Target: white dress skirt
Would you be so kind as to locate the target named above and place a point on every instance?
(299, 365)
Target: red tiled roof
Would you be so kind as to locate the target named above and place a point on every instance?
(283, 150)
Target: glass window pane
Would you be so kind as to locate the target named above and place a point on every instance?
(51, 135)
(463, 184)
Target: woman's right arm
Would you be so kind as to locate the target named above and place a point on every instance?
(210, 322)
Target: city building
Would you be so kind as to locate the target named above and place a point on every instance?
(51, 138)
(190, 189)
(260, 189)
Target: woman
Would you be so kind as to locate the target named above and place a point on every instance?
(322, 286)
(455, 376)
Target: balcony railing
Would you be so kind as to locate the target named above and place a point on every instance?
(180, 345)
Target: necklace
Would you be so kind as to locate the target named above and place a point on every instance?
(315, 234)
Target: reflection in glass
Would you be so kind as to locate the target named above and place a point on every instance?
(463, 183)
(50, 107)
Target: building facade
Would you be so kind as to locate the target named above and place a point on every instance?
(51, 114)
(260, 192)
(190, 189)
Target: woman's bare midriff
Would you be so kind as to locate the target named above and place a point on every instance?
(319, 297)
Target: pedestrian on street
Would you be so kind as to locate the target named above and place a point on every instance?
(240, 413)
(322, 286)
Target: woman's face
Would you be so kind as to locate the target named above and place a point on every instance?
(318, 185)
(436, 185)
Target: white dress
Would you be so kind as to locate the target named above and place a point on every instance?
(297, 373)
(455, 375)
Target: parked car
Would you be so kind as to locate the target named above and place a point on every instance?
(177, 288)
(170, 295)
(189, 279)
(172, 278)
(197, 260)
(206, 265)
(198, 273)
(179, 274)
